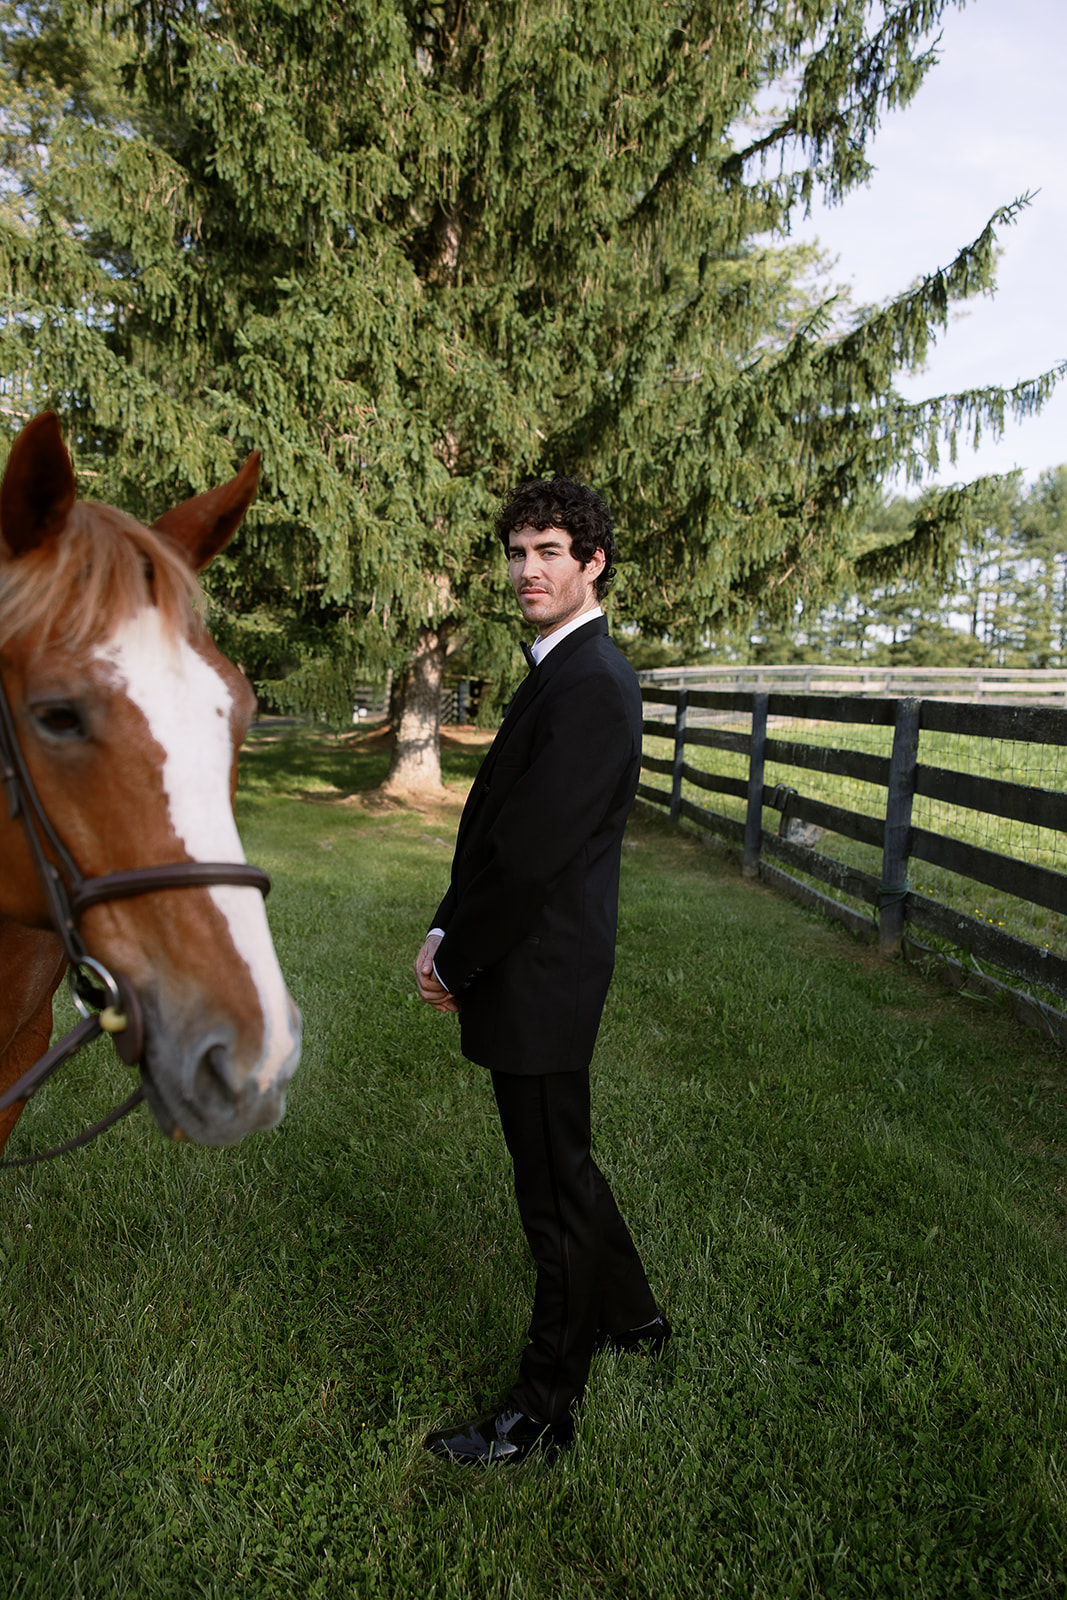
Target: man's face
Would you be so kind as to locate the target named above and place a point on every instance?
(552, 586)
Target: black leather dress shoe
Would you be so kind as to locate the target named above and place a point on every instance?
(501, 1435)
(649, 1338)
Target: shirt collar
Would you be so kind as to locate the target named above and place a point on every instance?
(540, 647)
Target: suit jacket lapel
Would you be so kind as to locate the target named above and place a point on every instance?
(528, 689)
(574, 641)
(538, 676)
(519, 700)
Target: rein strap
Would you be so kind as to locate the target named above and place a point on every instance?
(80, 1138)
(26, 1087)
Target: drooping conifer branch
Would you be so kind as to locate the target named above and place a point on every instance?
(415, 255)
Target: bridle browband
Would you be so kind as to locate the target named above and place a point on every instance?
(69, 893)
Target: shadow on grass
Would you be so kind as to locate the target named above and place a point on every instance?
(277, 760)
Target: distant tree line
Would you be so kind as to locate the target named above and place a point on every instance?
(1003, 604)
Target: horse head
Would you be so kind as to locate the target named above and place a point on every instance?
(129, 722)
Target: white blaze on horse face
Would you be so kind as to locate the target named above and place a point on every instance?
(188, 707)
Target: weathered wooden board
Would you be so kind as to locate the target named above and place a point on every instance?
(1046, 968)
(1033, 724)
(1020, 878)
(1044, 808)
(823, 758)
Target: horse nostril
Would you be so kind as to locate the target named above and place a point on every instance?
(212, 1088)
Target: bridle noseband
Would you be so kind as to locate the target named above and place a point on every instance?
(107, 1002)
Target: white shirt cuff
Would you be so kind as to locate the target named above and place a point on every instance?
(437, 975)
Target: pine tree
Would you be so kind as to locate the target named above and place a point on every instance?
(1041, 523)
(418, 252)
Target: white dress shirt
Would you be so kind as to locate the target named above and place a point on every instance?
(540, 647)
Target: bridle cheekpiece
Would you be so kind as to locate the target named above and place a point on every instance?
(106, 1001)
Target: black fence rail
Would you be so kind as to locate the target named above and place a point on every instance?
(722, 726)
(459, 701)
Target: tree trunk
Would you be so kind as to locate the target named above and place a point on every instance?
(416, 763)
(395, 702)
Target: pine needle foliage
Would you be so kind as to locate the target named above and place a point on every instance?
(417, 252)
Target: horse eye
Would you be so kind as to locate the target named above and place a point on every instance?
(61, 721)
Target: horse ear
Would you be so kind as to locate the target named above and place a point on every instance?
(204, 524)
(38, 488)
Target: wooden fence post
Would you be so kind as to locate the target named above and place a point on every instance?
(679, 755)
(754, 814)
(893, 889)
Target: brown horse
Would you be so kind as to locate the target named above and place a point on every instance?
(128, 721)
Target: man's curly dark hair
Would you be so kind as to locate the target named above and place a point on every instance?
(563, 503)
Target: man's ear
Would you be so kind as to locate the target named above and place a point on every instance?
(596, 563)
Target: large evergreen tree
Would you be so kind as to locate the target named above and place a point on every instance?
(415, 252)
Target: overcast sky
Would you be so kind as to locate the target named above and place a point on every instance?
(987, 125)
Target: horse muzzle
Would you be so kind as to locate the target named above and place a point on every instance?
(201, 1082)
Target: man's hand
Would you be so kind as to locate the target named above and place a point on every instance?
(430, 988)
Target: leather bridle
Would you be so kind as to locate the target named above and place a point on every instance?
(107, 1002)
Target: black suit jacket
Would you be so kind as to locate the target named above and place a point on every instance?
(530, 918)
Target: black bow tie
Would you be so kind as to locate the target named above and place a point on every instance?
(531, 659)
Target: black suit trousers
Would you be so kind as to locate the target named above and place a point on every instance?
(589, 1274)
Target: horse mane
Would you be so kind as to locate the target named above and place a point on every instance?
(73, 590)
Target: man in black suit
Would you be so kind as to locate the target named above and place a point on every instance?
(523, 947)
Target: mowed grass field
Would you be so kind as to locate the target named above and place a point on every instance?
(849, 1185)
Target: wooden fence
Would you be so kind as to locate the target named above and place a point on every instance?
(998, 684)
(895, 908)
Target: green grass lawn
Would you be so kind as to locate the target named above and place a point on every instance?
(850, 1188)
